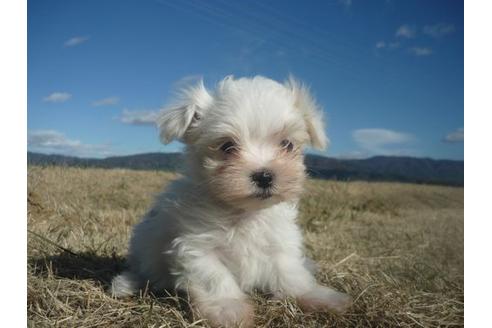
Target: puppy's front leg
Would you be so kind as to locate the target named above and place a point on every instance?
(215, 292)
(295, 280)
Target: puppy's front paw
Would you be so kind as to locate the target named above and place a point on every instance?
(324, 299)
(228, 312)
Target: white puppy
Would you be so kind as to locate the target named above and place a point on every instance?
(229, 225)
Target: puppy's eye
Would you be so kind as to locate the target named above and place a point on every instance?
(229, 147)
(287, 145)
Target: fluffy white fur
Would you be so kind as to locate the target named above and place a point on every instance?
(215, 233)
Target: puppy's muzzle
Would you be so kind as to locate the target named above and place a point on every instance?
(262, 179)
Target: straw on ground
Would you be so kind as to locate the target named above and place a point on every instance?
(396, 248)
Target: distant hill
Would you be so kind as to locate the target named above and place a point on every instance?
(388, 168)
(147, 161)
(379, 168)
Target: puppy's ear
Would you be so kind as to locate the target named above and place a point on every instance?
(312, 113)
(179, 121)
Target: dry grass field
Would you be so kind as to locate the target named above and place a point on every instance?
(396, 248)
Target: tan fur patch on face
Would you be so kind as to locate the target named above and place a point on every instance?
(230, 181)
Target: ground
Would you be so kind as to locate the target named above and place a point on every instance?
(396, 248)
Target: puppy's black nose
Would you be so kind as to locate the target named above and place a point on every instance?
(262, 179)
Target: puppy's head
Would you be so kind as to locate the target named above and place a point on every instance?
(245, 139)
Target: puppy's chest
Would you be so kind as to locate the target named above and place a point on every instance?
(250, 251)
(252, 245)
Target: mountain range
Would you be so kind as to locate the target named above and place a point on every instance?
(378, 168)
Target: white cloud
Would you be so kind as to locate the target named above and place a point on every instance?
(387, 45)
(381, 141)
(57, 97)
(106, 101)
(438, 30)
(380, 45)
(421, 51)
(456, 136)
(51, 141)
(75, 41)
(406, 31)
(139, 117)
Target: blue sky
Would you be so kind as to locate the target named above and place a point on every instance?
(388, 73)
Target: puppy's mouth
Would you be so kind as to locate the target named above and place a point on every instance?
(264, 194)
